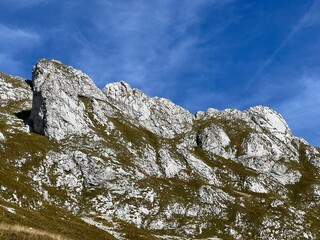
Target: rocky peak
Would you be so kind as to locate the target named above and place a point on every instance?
(52, 77)
(117, 89)
(259, 118)
(56, 109)
(158, 115)
(269, 120)
(13, 89)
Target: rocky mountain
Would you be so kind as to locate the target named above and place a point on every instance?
(114, 163)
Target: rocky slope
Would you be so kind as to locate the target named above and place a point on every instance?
(135, 167)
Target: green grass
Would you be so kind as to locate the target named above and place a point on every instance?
(53, 220)
(309, 177)
(48, 218)
(14, 81)
(218, 162)
(18, 232)
(130, 231)
(56, 220)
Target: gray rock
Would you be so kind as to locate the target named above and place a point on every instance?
(123, 156)
(2, 137)
(215, 140)
(57, 110)
(14, 89)
(158, 115)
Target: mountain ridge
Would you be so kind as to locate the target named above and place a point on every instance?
(116, 157)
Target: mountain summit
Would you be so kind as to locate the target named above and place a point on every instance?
(117, 164)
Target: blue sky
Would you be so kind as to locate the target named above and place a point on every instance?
(198, 53)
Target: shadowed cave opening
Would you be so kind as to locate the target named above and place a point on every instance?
(30, 83)
(24, 115)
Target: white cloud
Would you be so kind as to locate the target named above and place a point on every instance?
(309, 18)
(14, 43)
(10, 64)
(306, 104)
(302, 111)
(14, 39)
(143, 40)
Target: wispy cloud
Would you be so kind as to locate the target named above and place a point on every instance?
(309, 18)
(8, 64)
(145, 42)
(14, 42)
(14, 39)
(302, 111)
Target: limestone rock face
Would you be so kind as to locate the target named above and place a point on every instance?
(215, 140)
(158, 115)
(270, 121)
(258, 137)
(14, 89)
(139, 167)
(56, 109)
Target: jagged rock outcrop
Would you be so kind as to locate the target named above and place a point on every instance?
(14, 90)
(116, 156)
(158, 115)
(262, 140)
(56, 108)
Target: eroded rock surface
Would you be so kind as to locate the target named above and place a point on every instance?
(57, 110)
(158, 115)
(15, 90)
(117, 156)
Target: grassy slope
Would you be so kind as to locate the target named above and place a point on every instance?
(51, 220)
(48, 219)
(57, 221)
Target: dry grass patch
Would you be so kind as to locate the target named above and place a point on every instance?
(20, 232)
